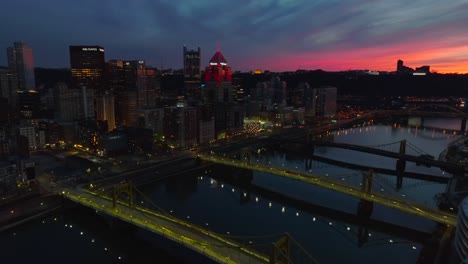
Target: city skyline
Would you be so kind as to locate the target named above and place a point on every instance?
(271, 35)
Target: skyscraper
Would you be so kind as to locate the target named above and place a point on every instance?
(105, 109)
(192, 63)
(192, 73)
(324, 101)
(87, 67)
(21, 61)
(134, 88)
(9, 87)
(218, 80)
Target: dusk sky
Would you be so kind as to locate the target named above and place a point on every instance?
(277, 35)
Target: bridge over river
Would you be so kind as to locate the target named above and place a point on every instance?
(364, 192)
(122, 204)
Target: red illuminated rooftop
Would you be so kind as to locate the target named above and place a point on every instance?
(218, 58)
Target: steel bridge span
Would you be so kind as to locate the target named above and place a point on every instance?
(364, 194)
(196, 238)
(217, 247)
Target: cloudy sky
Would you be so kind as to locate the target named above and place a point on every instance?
(252, 34)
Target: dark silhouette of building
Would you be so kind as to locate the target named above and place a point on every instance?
(402, 69)
(192, 63)
(21, 61)
(423, 69)
(9, 86)
(29, 103)
(87, 67)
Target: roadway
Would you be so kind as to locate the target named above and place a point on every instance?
(201, 240)
(386, 200)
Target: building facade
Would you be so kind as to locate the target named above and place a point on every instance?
(87, 67)
(323, 102)
(30, 133)
(21, 61)
(105, 109)
(67, 103)
(192, 63)
(8, 178)
(9, 86)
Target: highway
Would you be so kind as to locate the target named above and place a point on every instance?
(386, 200)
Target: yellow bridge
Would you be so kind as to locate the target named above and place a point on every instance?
(208, 243)
(386, 200)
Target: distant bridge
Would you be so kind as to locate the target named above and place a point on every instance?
(417, 159)
(412, 175)
(364, 192)
(370, 116)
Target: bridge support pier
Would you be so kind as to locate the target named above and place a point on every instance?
(363, 235)
(365, 207)
(403, 147)
(400, 170)
(401, 165)
(310, 148)
(463, 126)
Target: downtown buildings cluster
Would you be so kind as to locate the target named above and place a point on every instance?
(117, 107)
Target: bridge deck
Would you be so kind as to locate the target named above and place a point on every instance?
(196, 238)
(386, 153)
(389, 201)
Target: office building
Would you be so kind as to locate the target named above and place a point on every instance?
(86, 133)
(67, 103)
(218, 81)
(192, 63)
(21, 61)
(105, 109)
(9, 87)
(135, 87)
(181, 126)
(323, 102)
(113, 143)
(30, 133)
(206, 129)
(51, 132)
(8, 178)
(152, 118)
(29, 103)
(229, 119)
(272, 93)
(127, 106)
(87, 65)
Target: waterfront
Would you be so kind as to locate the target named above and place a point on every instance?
(225, 207)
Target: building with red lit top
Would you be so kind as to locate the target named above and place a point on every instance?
(218, 70)
(218, 81)
(218, 96)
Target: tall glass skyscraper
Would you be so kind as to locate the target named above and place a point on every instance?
(21, 61)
